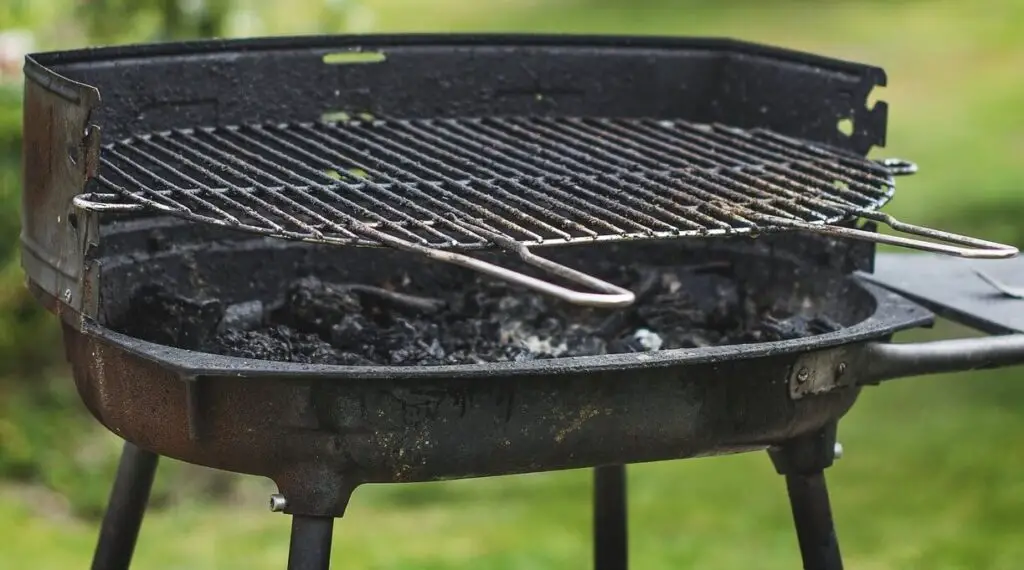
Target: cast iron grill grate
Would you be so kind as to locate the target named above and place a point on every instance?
(431, 185)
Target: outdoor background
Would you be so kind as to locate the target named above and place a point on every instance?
(933, 476)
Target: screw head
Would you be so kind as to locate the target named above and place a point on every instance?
(837, 451)
(841, 369)
(278, 503)
(802, 375)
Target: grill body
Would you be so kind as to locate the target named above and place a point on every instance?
(308, 427)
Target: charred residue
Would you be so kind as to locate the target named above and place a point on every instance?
(477, 321)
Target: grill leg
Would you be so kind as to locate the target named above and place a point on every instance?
(310, 547)
(819, 546)
(125, 509)
(611, 543)
(803, 463)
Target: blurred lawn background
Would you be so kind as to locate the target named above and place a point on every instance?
(934, 473)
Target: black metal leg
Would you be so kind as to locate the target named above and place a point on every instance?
(310, 547)
(812, 515)
(611, 542)
(125, 509)
(803, 462)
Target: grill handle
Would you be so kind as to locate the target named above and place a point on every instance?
(886, 361)
(962, 246)
(610, 296)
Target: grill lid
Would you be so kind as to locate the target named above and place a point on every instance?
(435, 186)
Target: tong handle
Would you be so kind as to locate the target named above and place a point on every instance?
(955, 244)
(610, 296)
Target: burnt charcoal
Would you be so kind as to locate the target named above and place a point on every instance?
(157, 315)
(353, 332)
(474, 321)
(284, 344)
(584, 342)
(253, 344)
(312, 306)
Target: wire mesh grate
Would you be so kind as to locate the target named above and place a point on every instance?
(447, 183)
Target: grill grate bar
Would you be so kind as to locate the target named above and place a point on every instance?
(330, 182)
(589, 212)
(400, 149)
(254, 196)
(531, 199)
(506, 222)
(447, 182)
(315, 202)
(775, 156)
(203, 191)
(384, 188)
(757, 187)
(571, 158)
(700, 198)
(331, 166)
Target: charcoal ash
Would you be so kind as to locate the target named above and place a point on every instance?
(477, 321)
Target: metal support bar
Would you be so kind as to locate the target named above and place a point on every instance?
(611, 542)
(125, 510)
(310, 547)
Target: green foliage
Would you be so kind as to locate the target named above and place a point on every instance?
(45, 434)
(125, 21)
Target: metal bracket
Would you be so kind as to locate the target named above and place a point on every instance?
(820, 372)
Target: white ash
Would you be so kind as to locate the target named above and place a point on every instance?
(648, 340)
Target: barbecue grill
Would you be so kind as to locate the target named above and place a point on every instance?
(244, 260)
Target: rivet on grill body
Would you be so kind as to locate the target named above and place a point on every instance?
(803, 375)
(278, 503)
(841, 369)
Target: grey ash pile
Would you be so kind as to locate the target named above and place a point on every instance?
(481, 321)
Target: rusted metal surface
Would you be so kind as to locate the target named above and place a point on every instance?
(59, 149)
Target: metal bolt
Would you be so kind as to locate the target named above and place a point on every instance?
(837, 451)
(67, 295)
(841, 369)
(802, 375)
(278, 503)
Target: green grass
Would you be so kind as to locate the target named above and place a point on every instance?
(932, 477)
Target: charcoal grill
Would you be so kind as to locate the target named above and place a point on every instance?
(665, 151)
